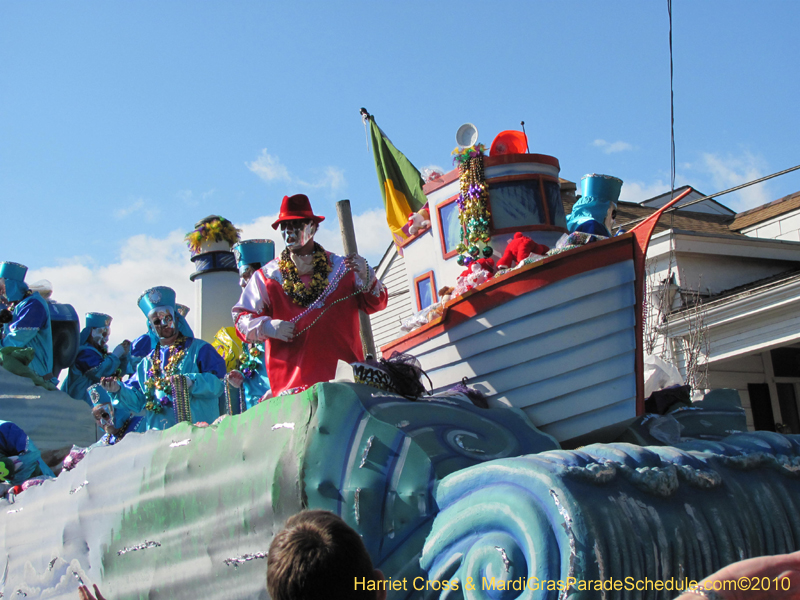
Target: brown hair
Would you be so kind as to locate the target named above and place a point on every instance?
(318, 555)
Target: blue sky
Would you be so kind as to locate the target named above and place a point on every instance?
(123, 123)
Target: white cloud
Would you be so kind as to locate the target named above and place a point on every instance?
(139, 205)
(730, 171)
(143, 262)
(612, 147)
(269, 168)
(188, 197)
(637, 191)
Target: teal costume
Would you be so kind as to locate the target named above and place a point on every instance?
(588, 214)
(30, 327)
(14, 442)
(200, 363)
(124, 421)
(91, 364)
(253, 367)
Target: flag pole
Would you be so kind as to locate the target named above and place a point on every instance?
(350, 247)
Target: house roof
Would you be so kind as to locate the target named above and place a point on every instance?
(662, 199)
(747, 289)
(766, 211)
(679, 219)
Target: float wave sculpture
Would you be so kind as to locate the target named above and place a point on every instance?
(438, 488)
(190, 512)
(614, 511)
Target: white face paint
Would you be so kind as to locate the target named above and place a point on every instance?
(162, 318)
(297, 233)
(100, 337)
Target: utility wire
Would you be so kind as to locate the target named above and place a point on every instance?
(671, 112)
(671, 104)
(722, 193)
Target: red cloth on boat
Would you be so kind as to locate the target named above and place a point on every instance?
(311, 356)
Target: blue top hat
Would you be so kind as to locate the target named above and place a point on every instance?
(14, 276)
(94, 319)
(182, 309)
(602, 189)
(157, 296)
(248, 252)
(13, 271)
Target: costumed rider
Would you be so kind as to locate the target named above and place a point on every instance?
(111, 416)
(20, 459)
(26, 320)
(94, 361)
(304, 305)
(596, 209)
(143, 345)
(251, 376)
(181, 378)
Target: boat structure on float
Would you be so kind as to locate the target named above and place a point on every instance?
(443, 491)
(559, 337)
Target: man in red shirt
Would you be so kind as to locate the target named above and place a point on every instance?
(304, 305)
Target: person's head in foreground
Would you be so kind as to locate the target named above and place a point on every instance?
(318, 555)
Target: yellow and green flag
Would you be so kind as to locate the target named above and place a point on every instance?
(401, 183)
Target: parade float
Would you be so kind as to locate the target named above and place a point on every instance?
(445, 488)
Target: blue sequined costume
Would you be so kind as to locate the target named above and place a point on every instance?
(124, 421)
(91, 364)
(253, 253)
(30, 327)
(201, 364)
(15, 442)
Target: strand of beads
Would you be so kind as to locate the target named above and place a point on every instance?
(183, 411)
(473, 205)
(320, 301)
(360, 290)
(248, 360)
(159, 379)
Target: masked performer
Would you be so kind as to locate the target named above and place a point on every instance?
(111, 416)
(596, 209)
(94, 361)
(27, 318)
(143, 345)
(181, 378)
(251, 376)
(304, 306)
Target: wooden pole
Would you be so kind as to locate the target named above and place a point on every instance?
(350, 247)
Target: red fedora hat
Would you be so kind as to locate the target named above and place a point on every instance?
(296, 207)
